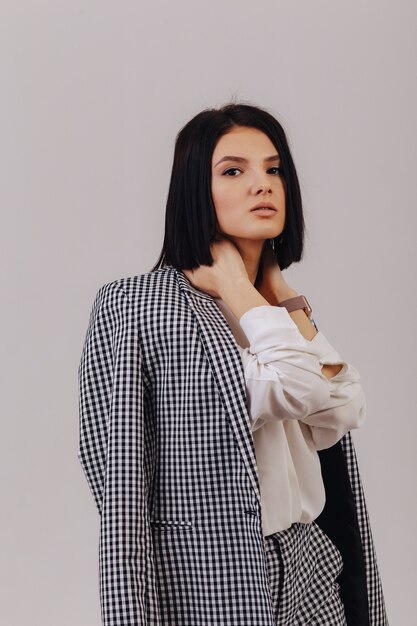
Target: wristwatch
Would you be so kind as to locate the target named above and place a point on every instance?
(299, 302)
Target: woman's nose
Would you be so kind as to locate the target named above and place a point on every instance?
(262, 182)
(262, 186)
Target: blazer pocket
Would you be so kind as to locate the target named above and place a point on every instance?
(172, 524)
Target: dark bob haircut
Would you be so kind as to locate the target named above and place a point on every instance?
(190, 218)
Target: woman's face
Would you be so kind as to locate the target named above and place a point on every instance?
(238, 184)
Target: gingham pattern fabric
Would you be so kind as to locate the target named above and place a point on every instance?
(303, 566)
(166, 448)
(377, 613)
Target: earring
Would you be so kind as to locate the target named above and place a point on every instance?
(280, 240)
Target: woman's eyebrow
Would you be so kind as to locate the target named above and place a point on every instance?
(229, 157)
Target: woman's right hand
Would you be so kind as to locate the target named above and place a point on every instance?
(227, 265)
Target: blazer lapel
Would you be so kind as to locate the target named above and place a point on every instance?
(224, 357)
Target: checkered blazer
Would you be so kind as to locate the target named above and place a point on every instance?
(167, 451)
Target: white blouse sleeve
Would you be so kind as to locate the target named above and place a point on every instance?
(284, 379)
(346, 407)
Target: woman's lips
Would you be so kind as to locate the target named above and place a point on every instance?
(264, 212)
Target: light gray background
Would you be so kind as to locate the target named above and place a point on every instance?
(93, 94)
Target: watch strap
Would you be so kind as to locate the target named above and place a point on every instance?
(297, 302)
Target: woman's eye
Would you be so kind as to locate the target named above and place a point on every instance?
(231, 169)
(234, 169)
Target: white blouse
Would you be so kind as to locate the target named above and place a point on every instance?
(294, 410)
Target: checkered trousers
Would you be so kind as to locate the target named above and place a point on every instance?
(303, 565)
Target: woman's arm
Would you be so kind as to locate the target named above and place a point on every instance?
(284, 380)
(285, 367)
(241, 296)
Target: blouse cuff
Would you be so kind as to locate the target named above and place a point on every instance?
(270, 326)
(327, 354)
(260, 322)
(278, 315)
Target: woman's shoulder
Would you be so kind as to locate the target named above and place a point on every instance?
(141, 290)
(137, 282)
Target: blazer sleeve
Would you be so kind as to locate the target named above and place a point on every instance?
(95, 387)
(376, 601)
(346, 521)
(111, 453)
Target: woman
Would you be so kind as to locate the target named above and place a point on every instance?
(215, 417)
